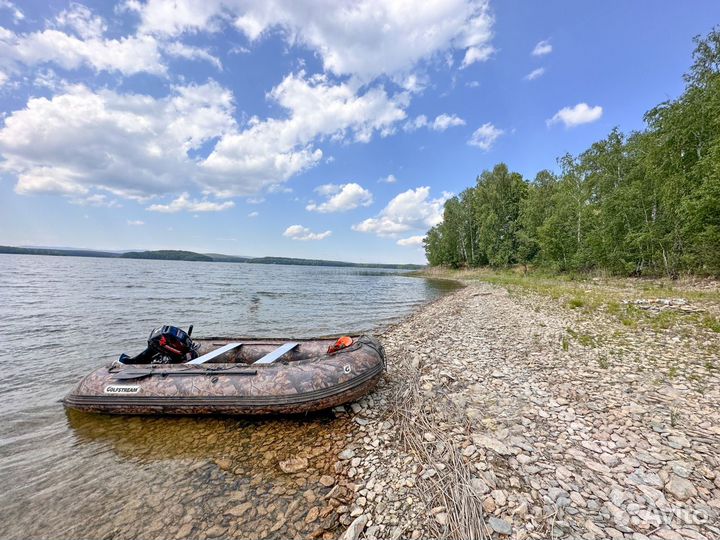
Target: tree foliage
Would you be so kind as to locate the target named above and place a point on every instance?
(647, 203)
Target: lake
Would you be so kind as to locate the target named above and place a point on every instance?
(69, 475)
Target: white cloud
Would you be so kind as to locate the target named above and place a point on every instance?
(485, 136)
(298, 232)
(472, 84)
(131, 145)
(190, 52)
(96, 199)
(418, 122)
(477, 54)
(444, 121)
(389, 179)
(411, 241)
(253, 214)
(184, 204)
(173, 17)
(581, 113)
(410, 210)
(365, 39)
(82, 21)
(279, 188)
(17, 14)
(272, 150)
(542, 48)
(341, 198)
(535, 74)
(127, 55)
(137, 145)
(255, 200)
(441, 122)
(135, 222)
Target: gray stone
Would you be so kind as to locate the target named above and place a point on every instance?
(355, 528)
(491, 444)
(500, 526)
(680, 488)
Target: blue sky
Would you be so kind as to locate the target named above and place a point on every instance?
(323, 129)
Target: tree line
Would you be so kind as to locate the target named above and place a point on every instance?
(647, 203)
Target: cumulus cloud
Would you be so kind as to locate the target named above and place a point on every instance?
(341, 198)
(272, 150)
(416, 123)
(75, 39)
(410, 210)
(485, 136)
(542, 48)
(581, 113)
(184, 204)
(411, 241)
(136, 145)
(365, 39)
(131, 145)
(253, 214)
(440, 123)
(444, 121)
(298, 232)
(389, 179)
(477, 54)
(135, 222)
(189, 52)
(535, 74)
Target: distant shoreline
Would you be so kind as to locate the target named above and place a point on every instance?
(180, 255)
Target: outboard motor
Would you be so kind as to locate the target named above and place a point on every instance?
(166, 345)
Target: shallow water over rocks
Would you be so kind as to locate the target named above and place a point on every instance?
(69, 475)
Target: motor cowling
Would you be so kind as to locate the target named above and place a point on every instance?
(171, 345)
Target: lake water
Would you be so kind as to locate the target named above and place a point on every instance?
(69, 475)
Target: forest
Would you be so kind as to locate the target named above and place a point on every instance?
(645, 203)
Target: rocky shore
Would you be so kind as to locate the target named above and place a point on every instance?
(507, 415)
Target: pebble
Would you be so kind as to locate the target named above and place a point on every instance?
(680, 488)
(500, 526)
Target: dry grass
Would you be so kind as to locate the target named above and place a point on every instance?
(450, 489)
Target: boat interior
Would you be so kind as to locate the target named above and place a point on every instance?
(253, 351)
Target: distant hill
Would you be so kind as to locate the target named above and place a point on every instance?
(180, 255)
(57, 252)
(167, 255)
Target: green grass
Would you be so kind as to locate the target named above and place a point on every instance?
(711, 323)
(614, 296)
(586, 340)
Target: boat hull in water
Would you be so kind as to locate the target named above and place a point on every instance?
(305, 379)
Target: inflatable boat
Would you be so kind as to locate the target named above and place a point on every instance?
(176, 375)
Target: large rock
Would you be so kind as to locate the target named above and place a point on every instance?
(500, 526)
(492, 444)
(355, 528)
(293, 465)
(680, 488)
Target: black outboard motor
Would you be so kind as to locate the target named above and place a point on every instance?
(166, 345)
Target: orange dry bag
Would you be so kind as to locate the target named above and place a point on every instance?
(341, 343)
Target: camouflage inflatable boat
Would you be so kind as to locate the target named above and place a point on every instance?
(177, 375)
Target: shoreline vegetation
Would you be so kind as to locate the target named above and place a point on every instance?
(643, 204)
(180, 255)
(543, 406)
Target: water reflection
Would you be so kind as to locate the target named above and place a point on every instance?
(84, 476)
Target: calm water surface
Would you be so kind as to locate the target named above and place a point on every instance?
(82, 476)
